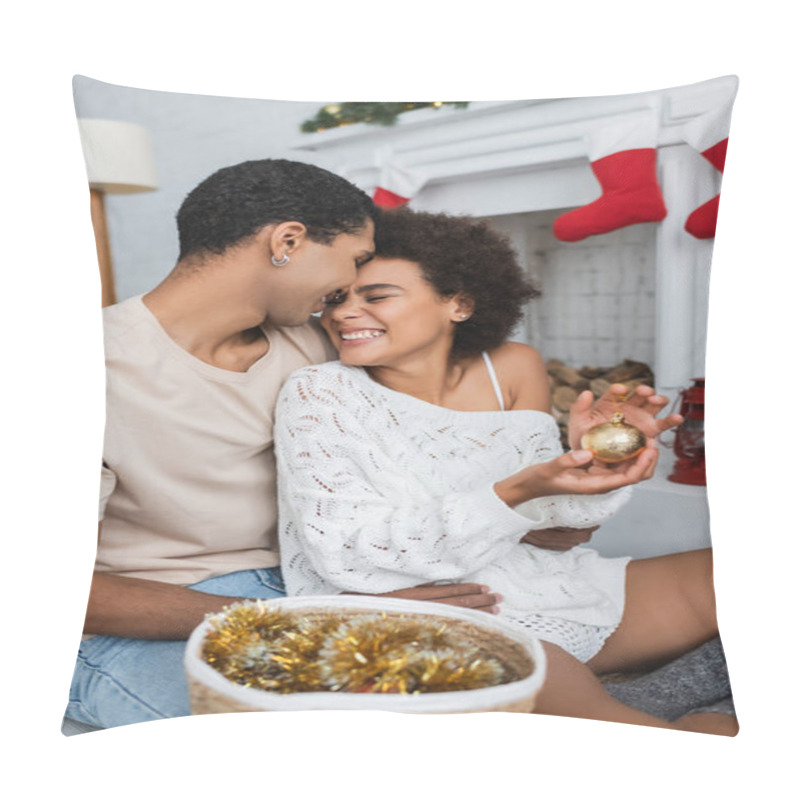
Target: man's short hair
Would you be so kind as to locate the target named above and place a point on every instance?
(236, 202)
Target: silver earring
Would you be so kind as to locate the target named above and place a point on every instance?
(463, 316)
(283, 262)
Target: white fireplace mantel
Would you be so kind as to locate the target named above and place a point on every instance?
(508, 157)
(507, 140)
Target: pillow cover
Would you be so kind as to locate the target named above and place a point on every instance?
(610, 204)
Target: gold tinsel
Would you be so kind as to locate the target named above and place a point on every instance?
(256, 645)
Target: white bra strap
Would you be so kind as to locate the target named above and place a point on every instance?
(493, 376)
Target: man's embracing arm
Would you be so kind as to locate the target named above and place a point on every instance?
(141, 609)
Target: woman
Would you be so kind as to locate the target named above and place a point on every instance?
(427, 453)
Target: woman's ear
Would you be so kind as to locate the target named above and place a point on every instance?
(463, 307)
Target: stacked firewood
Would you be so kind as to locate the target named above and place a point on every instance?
(566, 383)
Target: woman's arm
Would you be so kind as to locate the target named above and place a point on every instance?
(574, 473)
(353, 518)
(579, 493)
(356, 517)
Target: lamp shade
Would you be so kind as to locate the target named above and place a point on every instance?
(118, 155)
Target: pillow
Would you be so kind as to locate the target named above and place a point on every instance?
(610, 204)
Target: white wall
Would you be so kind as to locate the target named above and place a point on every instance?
(193, 135)
(598, 296)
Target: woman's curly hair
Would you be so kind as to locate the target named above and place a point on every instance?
(461, 255)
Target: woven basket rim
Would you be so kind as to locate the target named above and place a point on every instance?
(202, 673)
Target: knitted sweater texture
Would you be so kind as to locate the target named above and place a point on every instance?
(380, 491)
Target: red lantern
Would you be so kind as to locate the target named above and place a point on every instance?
(690, 445)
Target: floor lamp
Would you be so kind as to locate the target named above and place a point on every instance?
(119, 160)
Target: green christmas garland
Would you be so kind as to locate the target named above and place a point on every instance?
(335, 115)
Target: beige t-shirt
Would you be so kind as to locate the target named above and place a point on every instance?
(188, 487)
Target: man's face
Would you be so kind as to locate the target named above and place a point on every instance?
(315, 271)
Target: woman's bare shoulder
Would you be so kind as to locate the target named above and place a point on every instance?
(522, 375)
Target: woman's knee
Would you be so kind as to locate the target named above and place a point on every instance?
(669, 610)
(690, 578)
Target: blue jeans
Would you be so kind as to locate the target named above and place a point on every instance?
(121, 681)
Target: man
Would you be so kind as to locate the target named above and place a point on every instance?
(188, 509)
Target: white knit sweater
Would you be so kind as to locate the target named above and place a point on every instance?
(381, 491)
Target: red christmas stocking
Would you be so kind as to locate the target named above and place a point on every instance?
(386, 199)
(623, 159)
(702, 222)
(708, 134)
(397, 186)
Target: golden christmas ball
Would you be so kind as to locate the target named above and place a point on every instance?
(615, 441)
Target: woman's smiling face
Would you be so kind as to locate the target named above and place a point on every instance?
(390, 313)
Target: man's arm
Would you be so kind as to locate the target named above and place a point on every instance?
(464, 595)
(559, 538)
(142, 609)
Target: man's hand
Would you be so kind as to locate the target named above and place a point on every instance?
(465, 595)
(559, 538)
(639, 408)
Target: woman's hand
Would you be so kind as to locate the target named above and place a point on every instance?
(561, 539)
(576, 472)
(639, 409)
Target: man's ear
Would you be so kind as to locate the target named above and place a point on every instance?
(285, 237)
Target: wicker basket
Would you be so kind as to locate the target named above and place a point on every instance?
(211, 693)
